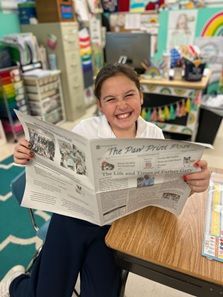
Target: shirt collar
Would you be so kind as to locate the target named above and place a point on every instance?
(141, 127)
(105, 131)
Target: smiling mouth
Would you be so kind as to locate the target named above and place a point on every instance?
(123, 116)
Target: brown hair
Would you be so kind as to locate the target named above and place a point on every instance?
(111, 70)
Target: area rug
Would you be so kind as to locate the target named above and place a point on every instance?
(18, 242)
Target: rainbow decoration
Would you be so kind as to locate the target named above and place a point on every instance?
(169, 111)
(214, 27)
(86, 56)
(12, 96)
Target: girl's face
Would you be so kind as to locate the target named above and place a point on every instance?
(121, 102)
(182, 23)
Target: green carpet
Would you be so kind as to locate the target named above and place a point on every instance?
(17, 236)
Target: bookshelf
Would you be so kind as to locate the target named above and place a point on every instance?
(12, 96)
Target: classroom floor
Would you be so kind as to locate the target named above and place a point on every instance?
(138, 286)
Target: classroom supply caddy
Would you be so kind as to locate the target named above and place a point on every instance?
(45, 99)
(193, 71)
(26, 12)
(12, 96)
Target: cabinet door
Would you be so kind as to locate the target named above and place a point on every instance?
(72, 68)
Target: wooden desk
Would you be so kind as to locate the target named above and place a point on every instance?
(160, 246)
(198, 85)
(173, 91)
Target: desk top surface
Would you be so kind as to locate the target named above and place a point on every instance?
(179, 83)
(157, 236)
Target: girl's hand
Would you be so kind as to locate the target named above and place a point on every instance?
(22, 152)
(199, 181)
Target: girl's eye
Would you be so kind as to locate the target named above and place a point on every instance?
(130, 95)
(109, 99)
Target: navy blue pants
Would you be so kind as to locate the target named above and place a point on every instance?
(72, 246)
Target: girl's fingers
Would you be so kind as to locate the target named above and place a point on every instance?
(197, 189)
(199, 181)
(198, 176)
(21, 161)
(22, 152)
(202, 164)
(23, 142)
(205, 173)
(198, 185)
(200, 188)
(21, 155)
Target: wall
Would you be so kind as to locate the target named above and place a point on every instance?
(9, 23)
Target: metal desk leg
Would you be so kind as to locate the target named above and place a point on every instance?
(124, 275)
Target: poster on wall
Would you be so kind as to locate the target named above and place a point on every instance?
(8, 5)
(137, 6)
(181, 27)
(210, 30)
(211, 48)
(212, 52)
(213, 3)
(82, 10)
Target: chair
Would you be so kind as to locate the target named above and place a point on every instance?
(17, 188)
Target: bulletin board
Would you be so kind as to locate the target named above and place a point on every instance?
(132, 22)
(7, 5)
(209, 22)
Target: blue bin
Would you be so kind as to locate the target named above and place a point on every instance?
(27, 11)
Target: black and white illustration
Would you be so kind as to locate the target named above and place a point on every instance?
(43, 142)
(181, 28)
(72, 157)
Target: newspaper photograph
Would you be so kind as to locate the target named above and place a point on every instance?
(101, 180)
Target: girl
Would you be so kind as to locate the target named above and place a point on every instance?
(75, 246)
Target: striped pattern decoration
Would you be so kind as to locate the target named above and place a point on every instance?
(169, 111)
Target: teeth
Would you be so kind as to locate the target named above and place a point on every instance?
(123, 115)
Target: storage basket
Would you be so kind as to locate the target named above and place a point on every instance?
(193, 72)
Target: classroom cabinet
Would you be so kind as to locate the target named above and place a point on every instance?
(45, 97)
(12, 96)
(67, 53)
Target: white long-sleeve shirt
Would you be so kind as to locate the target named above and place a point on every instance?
(98, 127)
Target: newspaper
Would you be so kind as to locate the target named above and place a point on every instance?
(101, 180)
